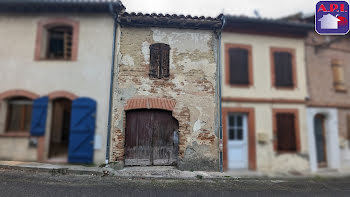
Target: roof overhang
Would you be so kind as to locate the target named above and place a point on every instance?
(266, 26)
(60, 6)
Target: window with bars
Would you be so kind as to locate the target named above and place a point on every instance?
(59, 43)
(283, 68)
(235, 127)
(19, 113)
(286, 132)
(159, 64)
(238, 66)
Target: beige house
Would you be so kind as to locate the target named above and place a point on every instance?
(59, 52)
(165, 92)
(263, 95)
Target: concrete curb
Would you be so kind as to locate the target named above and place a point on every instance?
(62, 171)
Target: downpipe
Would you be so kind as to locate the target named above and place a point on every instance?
(221, 159)
(115, 18)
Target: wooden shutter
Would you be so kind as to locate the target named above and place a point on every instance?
(348, 126)
(165, 60)
(283, 69)
(286, 137)
(238, 66)
(159, 64)
(338, 76)
(155, 61)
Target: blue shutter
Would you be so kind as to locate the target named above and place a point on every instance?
(39, 114)
(82, 131)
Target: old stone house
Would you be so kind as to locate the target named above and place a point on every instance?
(328, 112)
(263, 95)
(55, 61)
(165, 92)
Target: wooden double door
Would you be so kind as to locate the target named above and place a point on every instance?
(151, 138)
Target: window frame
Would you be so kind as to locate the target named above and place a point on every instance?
(295, 112)
(294, 72)
(160, 65)
(23, 112)
(43, 25)
(247, 47)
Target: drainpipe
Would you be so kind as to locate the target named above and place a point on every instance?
(221, 163)
(115, 18)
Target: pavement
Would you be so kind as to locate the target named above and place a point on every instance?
(162, 172)
(28, 183)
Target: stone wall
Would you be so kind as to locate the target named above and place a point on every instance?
(192, 84)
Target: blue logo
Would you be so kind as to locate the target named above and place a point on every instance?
(332, 18)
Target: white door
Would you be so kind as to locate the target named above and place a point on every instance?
(237, 141)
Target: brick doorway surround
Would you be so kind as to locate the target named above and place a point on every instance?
(251, 135)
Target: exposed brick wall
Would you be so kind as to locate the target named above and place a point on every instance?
(191, 86)
(319, 71)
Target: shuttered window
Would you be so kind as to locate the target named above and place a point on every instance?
(283, 69)
(286, 132)
(19, 113)
(159, 64)
(338, 76)
(238, 66)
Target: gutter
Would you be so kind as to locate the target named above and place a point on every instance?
(221, 163)
(115, 18)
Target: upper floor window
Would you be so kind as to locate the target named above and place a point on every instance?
(238, 65)
(283, 68)
(338, 76)
(59, 44)
(57, 39)
(19, 113)
(159, 64)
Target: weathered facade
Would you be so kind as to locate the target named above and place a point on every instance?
(264, 107)
(189, 92)
(28, 73)
(328, 70)
(328, 113)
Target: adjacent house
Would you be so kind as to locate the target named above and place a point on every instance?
(328, 112)
(165, 101)
(263, 95)
(55, 60)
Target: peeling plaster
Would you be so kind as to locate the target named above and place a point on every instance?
(128, 60)
(145, 52)
(184, 41)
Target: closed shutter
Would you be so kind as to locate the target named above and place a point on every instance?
(338, 75)
(155, 61)
(238, 66)
(348, 126)
(286, 138)
(283, 69)
(165, 60)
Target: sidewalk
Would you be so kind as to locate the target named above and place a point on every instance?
(160, 172)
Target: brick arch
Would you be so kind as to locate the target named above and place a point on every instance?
(62, 94)
(43, 24)
(150, 103)
(17, 93)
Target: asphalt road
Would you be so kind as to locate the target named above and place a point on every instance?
(19, 183)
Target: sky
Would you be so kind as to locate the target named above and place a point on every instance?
(265, 8)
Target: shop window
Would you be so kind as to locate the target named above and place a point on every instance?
(159, 64)
(19, 112)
